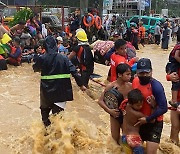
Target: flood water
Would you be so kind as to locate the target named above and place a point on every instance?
(82, 128)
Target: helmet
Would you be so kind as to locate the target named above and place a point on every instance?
(82, 36)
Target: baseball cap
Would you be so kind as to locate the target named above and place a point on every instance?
(144, 65)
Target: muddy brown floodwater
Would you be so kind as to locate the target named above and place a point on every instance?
(82, 128)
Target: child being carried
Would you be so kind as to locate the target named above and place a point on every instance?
(131, 111)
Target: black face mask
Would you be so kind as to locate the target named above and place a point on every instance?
(144, 80)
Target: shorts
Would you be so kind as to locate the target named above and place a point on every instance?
(142, 40)
(175, 86)
(132, 140)
(3, 64)
(132, 144)
(151, 131)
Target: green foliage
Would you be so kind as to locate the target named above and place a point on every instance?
(173, 8)
(22, 15)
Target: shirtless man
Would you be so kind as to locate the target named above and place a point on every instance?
(123, 86)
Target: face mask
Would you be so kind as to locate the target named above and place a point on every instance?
(144, 80)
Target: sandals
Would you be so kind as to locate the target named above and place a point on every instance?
(175, 105)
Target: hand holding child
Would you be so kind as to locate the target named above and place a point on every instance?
(141, 121)
(174, 77)
(151, 101)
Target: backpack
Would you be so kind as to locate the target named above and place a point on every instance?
(172, 61)
(85, 57)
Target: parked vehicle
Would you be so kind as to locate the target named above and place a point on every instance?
(52, 20)
(148, 22)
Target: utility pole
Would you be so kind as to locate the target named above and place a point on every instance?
(150, 7)
(139, 10)
(83, 6)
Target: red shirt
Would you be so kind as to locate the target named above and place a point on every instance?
(115, 61)
(146, 90)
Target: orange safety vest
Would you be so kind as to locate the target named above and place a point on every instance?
(146, 90)
(67, 29)
(142, 32)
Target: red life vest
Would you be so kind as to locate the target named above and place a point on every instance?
(146, 90)
(115, 61)
(79, 54)
(13, 60)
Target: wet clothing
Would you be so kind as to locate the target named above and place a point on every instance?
(134, 140)
(3, 64)
(116, 59)
(152, 131)
(45, 113)
(156, 89)
(55, 78)
(132, 143)
(86, 62)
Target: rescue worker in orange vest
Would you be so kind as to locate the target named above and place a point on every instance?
(14, 58)
(152, 124)
(118, 57)
(142, 33)
(3, 64)
(84, 56)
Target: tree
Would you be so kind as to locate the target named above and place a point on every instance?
(171, 5)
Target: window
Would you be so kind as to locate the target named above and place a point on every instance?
(135, 19)
(46, 20)
(145, 21)
(152, 22)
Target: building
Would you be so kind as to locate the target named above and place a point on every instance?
(126, 7)
(18, 2)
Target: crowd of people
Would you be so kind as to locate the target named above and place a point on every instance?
(57, 54)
